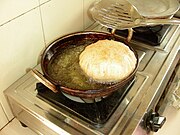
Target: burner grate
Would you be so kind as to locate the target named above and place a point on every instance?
(96, 113)
(153, 35)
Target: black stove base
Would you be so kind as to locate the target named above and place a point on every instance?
(96, 113)
(152, 35)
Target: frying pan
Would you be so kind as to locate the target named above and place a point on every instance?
(77, 38)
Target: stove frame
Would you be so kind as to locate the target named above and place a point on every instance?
(156, 66)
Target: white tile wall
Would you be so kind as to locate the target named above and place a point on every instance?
(43, 1)
(10, 9)
(21, 43)
(27, 26)
(61, 17)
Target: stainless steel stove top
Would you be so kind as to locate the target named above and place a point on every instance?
(156, 66)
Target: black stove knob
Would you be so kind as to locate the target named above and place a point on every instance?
(155, 121)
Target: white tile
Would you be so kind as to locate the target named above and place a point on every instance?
(43, 1)
(10, 9)
(61, 17)
(21, 43)
(15, 128)
(5, 105)
(88, 20)
(4, 119)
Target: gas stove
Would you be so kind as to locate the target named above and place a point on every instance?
(95, 113)
(122, 112)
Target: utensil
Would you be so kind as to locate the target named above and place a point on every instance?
(74, 40)
(120, 14)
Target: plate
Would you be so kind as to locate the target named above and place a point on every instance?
(156, 8)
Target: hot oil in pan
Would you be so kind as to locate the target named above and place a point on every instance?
(65, 68)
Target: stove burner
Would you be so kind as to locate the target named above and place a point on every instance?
(149, 29)
(96, 113)
(83, 100)
(153, 35)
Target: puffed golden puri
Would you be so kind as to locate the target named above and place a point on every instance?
(107, 61)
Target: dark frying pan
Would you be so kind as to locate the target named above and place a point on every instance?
(78, 38)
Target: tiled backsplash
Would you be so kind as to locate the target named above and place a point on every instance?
(12, 9)
(61, 17)
(26, 27)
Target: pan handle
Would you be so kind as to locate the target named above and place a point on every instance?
(43, 80)
(129, 37)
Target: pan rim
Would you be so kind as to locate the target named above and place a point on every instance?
(89, 93)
